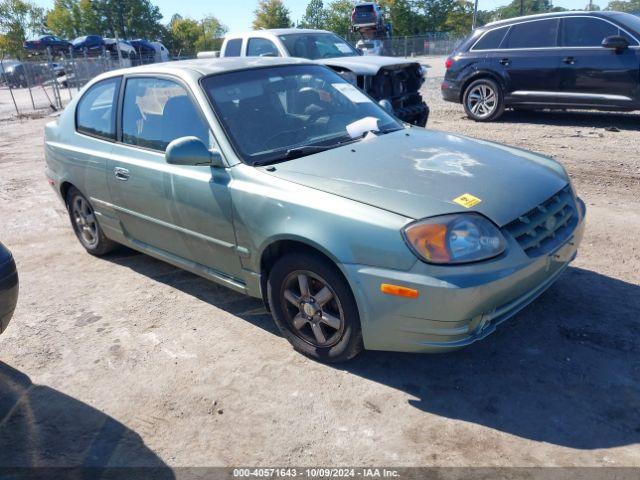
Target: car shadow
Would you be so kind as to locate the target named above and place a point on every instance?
(44, 433)
(566, 370)
(574, 118)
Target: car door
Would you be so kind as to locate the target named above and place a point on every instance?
(179, 212)
(592, 74)
(529, 60)
(87, 155)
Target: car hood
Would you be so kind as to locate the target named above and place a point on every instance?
(419, 173)
(363, 65)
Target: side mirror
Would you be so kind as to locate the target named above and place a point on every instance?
(616, 42)
(386, 105)
(191, 151)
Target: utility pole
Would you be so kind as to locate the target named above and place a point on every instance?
(521, 8)
(475, 16)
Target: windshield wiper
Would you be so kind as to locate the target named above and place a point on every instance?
(297, 152)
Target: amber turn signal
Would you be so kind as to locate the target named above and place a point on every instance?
(399, 291)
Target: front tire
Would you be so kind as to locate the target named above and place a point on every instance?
(314, 307)
(484, 100)
(85, 224)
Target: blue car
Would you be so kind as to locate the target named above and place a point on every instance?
(145, 51)
(89, 44)
(43, 42)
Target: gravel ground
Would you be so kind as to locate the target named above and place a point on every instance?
(127, 361)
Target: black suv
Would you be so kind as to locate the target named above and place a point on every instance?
(556, 60)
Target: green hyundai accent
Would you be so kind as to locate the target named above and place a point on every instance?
(279, 179)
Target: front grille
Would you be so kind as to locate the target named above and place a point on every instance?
(546, 226)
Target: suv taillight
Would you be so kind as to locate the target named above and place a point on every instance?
(353, 15)
(448, 62)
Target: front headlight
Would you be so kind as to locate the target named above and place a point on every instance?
(456, 238)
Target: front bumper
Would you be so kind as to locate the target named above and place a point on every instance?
(417, 114)
(458, 305)
(8, 291)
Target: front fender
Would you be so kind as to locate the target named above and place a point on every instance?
(267, 209)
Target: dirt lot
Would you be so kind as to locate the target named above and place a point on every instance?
(128, 361)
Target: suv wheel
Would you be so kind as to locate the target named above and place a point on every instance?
(483, 100)
(85, 225)
(314, 308)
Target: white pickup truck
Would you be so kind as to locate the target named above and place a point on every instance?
(396, 80)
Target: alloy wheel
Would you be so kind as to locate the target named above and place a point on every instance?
(312, 309)
(85, 221)
(482, 100)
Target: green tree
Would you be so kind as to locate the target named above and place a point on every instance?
(338, 16)
(212, 34)
(529, 7)
(65, 19)
(130, 18)
(91, 18)
(435, 13)
(123, 18)
(185, 32)
(314, 16)
(460, 18)
(403, 15)
(624, 5)
(19, 19)
(271, 14)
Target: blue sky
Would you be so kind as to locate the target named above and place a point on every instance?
(238, 14)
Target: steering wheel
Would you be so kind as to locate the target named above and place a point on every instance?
(269, 141)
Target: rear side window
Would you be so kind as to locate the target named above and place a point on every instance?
(537, 34)
(491, 40)
(261, 47)
(588, 32)
(157, 111)
(233, 48)
(96, 112)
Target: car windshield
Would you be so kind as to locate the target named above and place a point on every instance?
(276, 113)
(317, 45)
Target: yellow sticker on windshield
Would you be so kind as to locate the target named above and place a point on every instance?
(467, 200)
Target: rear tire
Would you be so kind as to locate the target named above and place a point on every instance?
(483, 100)
(314, 307)
(85, 224)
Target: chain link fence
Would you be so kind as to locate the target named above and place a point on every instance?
(47, 83)
(412, 46)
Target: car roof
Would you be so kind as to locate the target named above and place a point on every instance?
(541, 16)
(277, 32)
(202, 67)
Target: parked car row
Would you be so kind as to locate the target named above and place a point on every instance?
(93, 45)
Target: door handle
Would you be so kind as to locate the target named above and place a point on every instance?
(505, 61)
(569, 60)
(121, 173)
